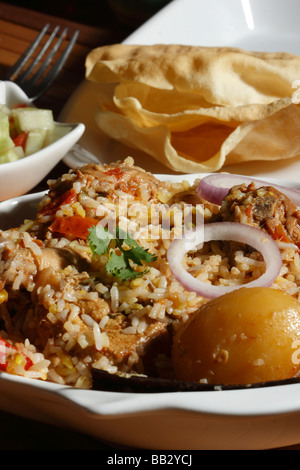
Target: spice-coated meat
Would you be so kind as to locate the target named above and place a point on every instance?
(265, 208)
(107, 179)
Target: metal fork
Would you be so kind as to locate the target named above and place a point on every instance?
(35, 79)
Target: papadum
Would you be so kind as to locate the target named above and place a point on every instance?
(198, 109)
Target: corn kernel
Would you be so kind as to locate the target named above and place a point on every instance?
(78, 209)
(3, 296)
(53, 308)
(137, 306)
(19, 359)
(164, 196)
(26, 225)
(66, 360)
(186, 184)
(136, 283)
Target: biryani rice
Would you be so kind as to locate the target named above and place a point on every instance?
(69, 320)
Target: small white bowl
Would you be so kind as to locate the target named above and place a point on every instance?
(20, 176)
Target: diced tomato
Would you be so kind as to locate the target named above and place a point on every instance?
(3, 345)
(3, 362)
(117, 172)
(278, 233)
(69, 197)
(249, 211)
(20, 105)
(28, 364)
(73, 226)
(20, 140)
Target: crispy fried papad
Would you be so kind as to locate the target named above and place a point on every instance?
(198, 109)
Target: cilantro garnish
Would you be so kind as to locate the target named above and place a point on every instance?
(99, 239)
(119, 264)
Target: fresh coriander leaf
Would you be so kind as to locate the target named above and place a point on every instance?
(118, 265)
(139, 254)
(124, 237)
(115, 263)
(99, 239)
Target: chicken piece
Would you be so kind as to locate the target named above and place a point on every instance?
(42, 328)
(72, 204)
(265, 208)
(124, 177)
(105, 180)
(188, 197)
(60, 258)
(17, 268)
(122, 346)
(20, 267)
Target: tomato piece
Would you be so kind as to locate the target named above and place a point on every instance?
(28, 364)
(3, 362)
(20, 140)
(249, 211)
(20, 105)
(69, 197)
(73, 226)
(278, 233)
(117, 172)
(3, 346)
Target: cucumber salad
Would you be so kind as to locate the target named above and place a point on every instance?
(25, 130)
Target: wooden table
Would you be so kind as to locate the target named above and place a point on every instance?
(18, 27)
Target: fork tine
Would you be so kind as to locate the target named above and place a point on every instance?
(27, 54)
(50, 56)
(41, 87)
(39, 56)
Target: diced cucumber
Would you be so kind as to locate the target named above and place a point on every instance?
(5, 109)
(35, 141)
(6, 143)
(38, 124)
(19, 151)
(56, 133)
(9, 156)
(28, 119)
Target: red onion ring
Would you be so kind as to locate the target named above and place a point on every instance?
(229, 231)
(213, 188)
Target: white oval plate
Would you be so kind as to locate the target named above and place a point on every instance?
(261, 25)
(260, 418)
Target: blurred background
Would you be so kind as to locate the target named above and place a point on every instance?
(128, 14)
